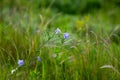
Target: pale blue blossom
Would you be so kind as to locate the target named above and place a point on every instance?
(57, 31)
(66, 35)
(38, 58)
(20, 62)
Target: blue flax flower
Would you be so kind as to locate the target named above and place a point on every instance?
(20, 62)
(38, 58)
(57, 31)
(66, 35)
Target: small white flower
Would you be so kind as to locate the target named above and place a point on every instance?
(13, 70)
(57, 31)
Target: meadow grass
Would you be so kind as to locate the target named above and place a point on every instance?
(81, 50)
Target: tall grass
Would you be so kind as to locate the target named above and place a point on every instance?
(85, 55)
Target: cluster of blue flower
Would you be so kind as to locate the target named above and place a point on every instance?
(21, 62)
(65, 35)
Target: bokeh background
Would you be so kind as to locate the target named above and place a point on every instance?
(8, 8)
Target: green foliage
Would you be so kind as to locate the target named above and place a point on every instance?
(27, 30)
(77, 6)
(66, 6)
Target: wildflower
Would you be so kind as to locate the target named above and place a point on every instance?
(38, 58)
(20, 62)
(57, 31)
(66, 35)
(13, 70)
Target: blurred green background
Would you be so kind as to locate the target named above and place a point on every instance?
(60, 13)
(64, 6)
